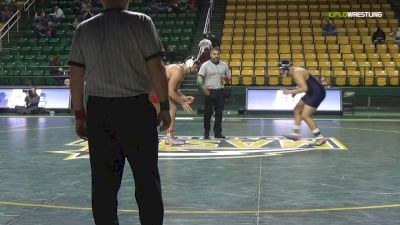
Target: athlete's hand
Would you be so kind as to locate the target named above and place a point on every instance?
(165, 117)
(189, 99)
(81, 129)
(206, 91)
(187, 107)
(293, 95)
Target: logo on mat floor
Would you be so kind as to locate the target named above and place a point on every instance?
(232, 147)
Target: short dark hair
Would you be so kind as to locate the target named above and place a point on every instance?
(215, 49)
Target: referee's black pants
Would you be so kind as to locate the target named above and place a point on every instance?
(120, 128)
(214, 102)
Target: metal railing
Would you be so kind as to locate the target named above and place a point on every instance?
(207, 24)
(5, 30)
(27, 6)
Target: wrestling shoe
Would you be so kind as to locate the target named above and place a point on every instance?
(174, 142)
(171, 140)
(293, 136)
(318, 141)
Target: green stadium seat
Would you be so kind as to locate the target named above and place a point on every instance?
(188, 31)
(182, 15)
(8, 57)
(22, 40)
(32, 41)
(41, 58)
(25, 72)
(25, 50)
(10, 64)
(46, 50)
(3, 78)
(70, 18)
(36, 50)
(65, 41)
(164, 40)
(144, 9)
(69, 33)
(60, 33)
(37, 72)
(14, 72)
(191, 15)
(62, 4)
(29, 57)
(19, 57)
(180, 24)
(159, 23)
(169, 24)
(29, 33)
(171, 16)
(64, 26)
(153, 16)
(43, 41)
(15, 49)
(166, 31)
(177, 31)
(174, 40)
(182, 49)
(161, 16)
(185, 40)
(58, 49)
(190, 23)
(135, 8)
(20, 63)
(63, 57)
(33, 65)
(54, 41)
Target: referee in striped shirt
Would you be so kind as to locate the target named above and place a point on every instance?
(210, 80)
(118, 54)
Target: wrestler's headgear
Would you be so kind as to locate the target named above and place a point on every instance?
(285, 66)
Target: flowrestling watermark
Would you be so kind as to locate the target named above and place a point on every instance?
(356, 14)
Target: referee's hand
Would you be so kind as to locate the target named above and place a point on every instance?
(81, 129)
(165, 117)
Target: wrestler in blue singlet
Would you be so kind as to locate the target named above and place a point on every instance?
(315, 93)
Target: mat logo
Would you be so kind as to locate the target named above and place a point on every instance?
(232, 147)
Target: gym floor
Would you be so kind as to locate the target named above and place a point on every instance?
(255, 176)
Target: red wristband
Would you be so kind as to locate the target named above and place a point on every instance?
(80, 115)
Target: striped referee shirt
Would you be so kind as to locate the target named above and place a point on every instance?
(213, 73)
(113, 47)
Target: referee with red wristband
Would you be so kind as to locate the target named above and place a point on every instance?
(118, 54)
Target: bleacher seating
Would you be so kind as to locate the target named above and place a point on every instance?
(29, 60)
(258, 33)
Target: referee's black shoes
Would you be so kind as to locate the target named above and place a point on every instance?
(219, 136)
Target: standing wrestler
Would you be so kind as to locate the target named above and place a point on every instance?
(308, 104)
